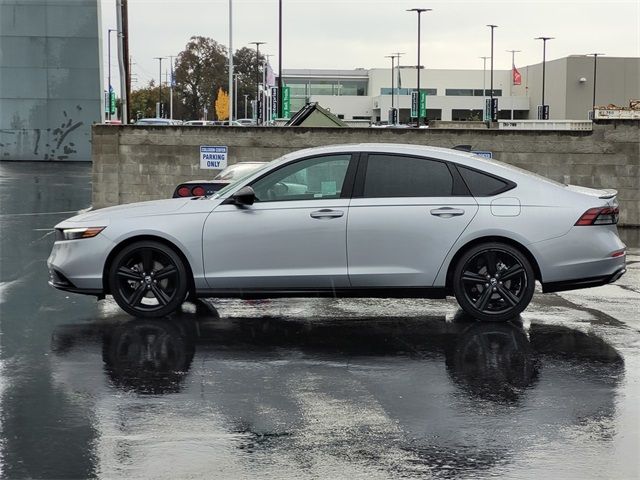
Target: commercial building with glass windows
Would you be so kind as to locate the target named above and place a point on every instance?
(459, 95)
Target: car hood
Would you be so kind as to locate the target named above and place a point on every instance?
(140, 209)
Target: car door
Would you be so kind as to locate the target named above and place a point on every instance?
(406, 214)
(292, 237)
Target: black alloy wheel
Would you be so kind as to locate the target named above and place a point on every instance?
(493, 282)
(148, 279)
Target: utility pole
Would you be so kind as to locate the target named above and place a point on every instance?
(109, 89)
(398, 54)
(484, 76)
(245, 104)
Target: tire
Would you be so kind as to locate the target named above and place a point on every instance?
(493, 282)
(148, 279)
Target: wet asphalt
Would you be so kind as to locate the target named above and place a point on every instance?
(297, 388)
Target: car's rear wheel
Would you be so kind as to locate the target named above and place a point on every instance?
(148, 279)
(493, 281)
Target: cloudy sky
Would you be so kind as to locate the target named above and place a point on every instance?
(359, 33)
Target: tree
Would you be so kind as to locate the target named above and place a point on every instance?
(222, 105)
(244, 64)
(143, 102)
(201, 69)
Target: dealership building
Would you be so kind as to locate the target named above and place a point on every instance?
(459, 95)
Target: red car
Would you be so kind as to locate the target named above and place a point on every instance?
(199, 188)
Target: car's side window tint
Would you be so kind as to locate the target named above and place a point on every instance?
(313, 178)
(480, 184)
(402, 176)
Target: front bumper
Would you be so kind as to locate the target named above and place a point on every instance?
(77, 265)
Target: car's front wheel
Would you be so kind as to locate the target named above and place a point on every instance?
(493, 281)
(148, 279)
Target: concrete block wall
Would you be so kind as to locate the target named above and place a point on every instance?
(137, 163)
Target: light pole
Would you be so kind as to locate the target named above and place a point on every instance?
(231, 89)
(595, 73)
(109, 75)
(159, 109)
(279, 102)
(541, 114)
(257, 44)
(484, 76)
(171, 57)
(513, 70)
(235, 99)
(245, 105)
(393, 116)
(419, 11)
(398, 55)
(493, 119)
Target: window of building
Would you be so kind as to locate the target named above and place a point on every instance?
(434, 114)
(407, 91)
(361, 117)
(399, 176)
(458, 92)
(466, 115)
(469, 92)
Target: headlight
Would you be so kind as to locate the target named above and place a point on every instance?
(77, 233)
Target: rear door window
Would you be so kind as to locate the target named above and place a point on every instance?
(405, 176)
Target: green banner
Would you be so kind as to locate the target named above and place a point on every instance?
(286, 101)
(414, 104)
(112, 102)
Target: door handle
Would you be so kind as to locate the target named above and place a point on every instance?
(447, 212)
(327, 213)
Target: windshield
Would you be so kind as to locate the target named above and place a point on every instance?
(235, 181)
(238, 170)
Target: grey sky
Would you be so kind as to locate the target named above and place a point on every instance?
(359, 33)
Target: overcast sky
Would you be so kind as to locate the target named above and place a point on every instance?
(359, 33)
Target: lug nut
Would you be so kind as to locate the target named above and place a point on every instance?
(495, 289)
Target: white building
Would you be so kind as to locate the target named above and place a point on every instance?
(459, 95)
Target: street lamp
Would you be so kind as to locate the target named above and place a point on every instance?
(279, 102)
(484, 76)
(543, 113)
(159, 109)
(419, 11)
(109, 75)
(595, 72)
(393, 117)
(513, 70)
(245, 105)
(493, 109)
(257, 44)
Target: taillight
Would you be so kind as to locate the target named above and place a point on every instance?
(198, 191)
(599, 216)
(184, 192)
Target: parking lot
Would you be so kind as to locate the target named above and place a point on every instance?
(297, 388)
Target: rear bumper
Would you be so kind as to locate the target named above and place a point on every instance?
(583, 282)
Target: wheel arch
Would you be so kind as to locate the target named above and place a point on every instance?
(139, 238)
(492, 238)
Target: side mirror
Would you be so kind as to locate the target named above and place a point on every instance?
(244, 196)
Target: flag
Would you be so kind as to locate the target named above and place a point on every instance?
(517, 78)
(271, 78)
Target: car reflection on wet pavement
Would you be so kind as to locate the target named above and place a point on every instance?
(303, 388)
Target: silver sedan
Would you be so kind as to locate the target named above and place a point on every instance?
(366, 220)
